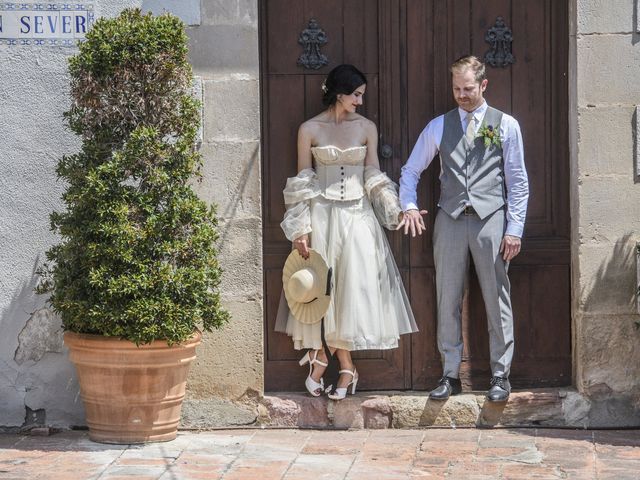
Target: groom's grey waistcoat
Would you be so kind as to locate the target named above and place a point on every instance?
(470, 174)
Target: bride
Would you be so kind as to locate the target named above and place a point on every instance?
(335, 207)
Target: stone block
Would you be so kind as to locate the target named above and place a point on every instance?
(224, 49)
(282, 412)
(187, 10)
(607, 279)
(377, 412)
(314, 411)
(230, 12)
(295, 410)
(605, 16)
(609, 357)
(607, 210)
(611, 411)
(458, 411)
(419, 411)
(346, 413)
(605, 140)
(240, 256)
(230, 360)
(407, 410)
(215, 412)
(575, 408)
(232, 109)
(608, 60)
(538, 407)
(231, 178)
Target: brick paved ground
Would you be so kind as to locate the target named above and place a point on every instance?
(306, 455)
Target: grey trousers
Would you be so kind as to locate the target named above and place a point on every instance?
(453, 240)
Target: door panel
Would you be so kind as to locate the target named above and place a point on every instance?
(405, 47)
(291, 95)
(534, 91)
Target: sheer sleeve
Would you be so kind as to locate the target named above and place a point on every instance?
(383, 195)
(297, 195)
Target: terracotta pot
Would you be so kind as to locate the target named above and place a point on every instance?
(131, 394)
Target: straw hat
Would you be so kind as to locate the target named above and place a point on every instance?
(307, 286)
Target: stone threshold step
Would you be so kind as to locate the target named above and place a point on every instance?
(549, 407)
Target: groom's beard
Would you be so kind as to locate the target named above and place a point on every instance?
(469, 104)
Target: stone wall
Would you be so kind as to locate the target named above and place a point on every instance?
(37, 382)
(224, 55)
(606, 203)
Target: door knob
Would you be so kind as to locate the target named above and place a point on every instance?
(386, 151)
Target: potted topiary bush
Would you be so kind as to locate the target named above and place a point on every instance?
(136, 272)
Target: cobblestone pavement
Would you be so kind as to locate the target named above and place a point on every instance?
(313, 454)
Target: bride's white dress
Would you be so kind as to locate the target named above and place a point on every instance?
(369, 307)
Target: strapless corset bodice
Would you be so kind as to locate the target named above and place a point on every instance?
(332, 155)
(340, 172)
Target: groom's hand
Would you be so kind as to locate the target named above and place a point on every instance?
(510, 247)
(412, 221)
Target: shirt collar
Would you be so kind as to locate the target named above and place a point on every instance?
(478, 113)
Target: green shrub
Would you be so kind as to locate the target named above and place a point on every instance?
(138, 257)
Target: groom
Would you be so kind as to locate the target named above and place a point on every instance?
(481, 211)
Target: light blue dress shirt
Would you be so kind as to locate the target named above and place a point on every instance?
(515, 175)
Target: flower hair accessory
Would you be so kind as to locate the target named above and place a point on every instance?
(324, 87)
(490, 135)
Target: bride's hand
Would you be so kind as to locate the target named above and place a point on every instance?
(302, 244)
(412, 221)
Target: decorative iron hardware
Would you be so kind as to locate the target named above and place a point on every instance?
(311, 39)
(500, 38)
(386, 151)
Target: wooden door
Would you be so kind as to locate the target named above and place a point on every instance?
(534, 91)
(360, 32)
(405, 48)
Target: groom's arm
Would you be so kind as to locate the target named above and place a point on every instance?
(425, 149)
(515, 176)
(517, 184)
(423, 152)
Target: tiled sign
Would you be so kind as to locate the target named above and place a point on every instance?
(51, 23)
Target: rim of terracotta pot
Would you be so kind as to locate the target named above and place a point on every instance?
(104, 342)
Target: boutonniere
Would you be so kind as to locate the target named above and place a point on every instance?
(490, 135)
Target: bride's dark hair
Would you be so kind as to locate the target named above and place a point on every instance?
(343, 79)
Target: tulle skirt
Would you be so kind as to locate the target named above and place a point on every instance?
(369, 307)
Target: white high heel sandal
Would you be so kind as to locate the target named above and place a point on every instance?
(313, 387)
(341, 392)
